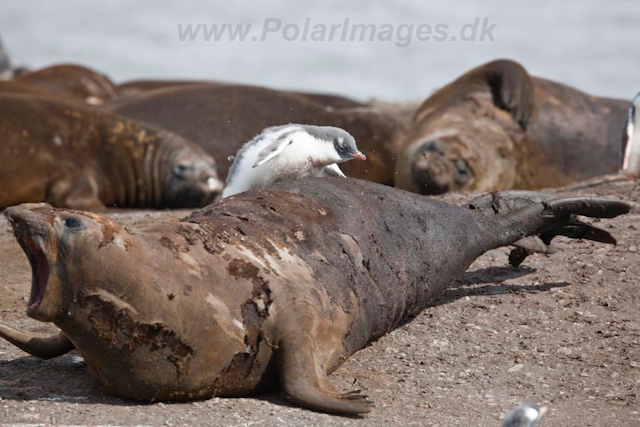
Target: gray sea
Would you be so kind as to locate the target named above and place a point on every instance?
(591, 45)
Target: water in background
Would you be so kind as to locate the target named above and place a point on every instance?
(590, 45)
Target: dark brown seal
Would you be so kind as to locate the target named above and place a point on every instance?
(287, 281)
(498, 128)
(73, 81)
(138, 87)
(222, 118)
(76, 157)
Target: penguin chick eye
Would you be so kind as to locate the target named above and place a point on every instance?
(72, 223)
(181, 170)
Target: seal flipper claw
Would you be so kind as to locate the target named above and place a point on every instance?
(42, 347)
(304, 379)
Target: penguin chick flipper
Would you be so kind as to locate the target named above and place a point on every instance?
(330, 171)
(272, 150)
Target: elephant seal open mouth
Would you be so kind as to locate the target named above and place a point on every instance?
(274, 287)
(31, 225)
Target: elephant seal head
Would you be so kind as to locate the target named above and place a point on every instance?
(65, 249)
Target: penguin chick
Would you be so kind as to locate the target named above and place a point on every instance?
(290, 152)
(630, 162)
(525, 415)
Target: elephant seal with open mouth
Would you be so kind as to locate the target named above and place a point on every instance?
(76, 157)
(283, 282)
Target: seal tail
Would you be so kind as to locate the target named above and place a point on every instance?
(42, 347)
(557, 217)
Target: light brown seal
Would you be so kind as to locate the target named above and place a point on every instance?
(285, 282)
(498, 128)
(73, 81)
(76, 157)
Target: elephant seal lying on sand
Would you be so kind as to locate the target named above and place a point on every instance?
(72, 81)
(221, 118)
(80, 158)
(498, 128)
(288, 280)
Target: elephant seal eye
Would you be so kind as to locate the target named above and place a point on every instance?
(72, 223)
(181, 170)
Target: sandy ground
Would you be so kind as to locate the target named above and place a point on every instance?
(561, 330)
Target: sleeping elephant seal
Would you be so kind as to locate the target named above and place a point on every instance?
(71, 81)
(221, 118)
(12, 86)
(76, 157)
(498, 128)
(288, 280)
(139, 87)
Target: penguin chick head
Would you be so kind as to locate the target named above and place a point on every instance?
(525, 415)
(340, 144)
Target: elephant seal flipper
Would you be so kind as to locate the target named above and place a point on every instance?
(80, 193)
(510, 85)
(303, 378)
(512, 89)
(504, 202)
(42, 347)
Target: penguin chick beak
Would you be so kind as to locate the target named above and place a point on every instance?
(359, 156)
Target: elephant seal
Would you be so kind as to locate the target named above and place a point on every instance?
(75, 157)
(138, 87)
(73, 81)
(498, 128)
(283, 282)
(12, 86)
(222, 118)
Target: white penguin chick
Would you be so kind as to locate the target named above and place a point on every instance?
(525, 415)
(290, 152)
(631, 141)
